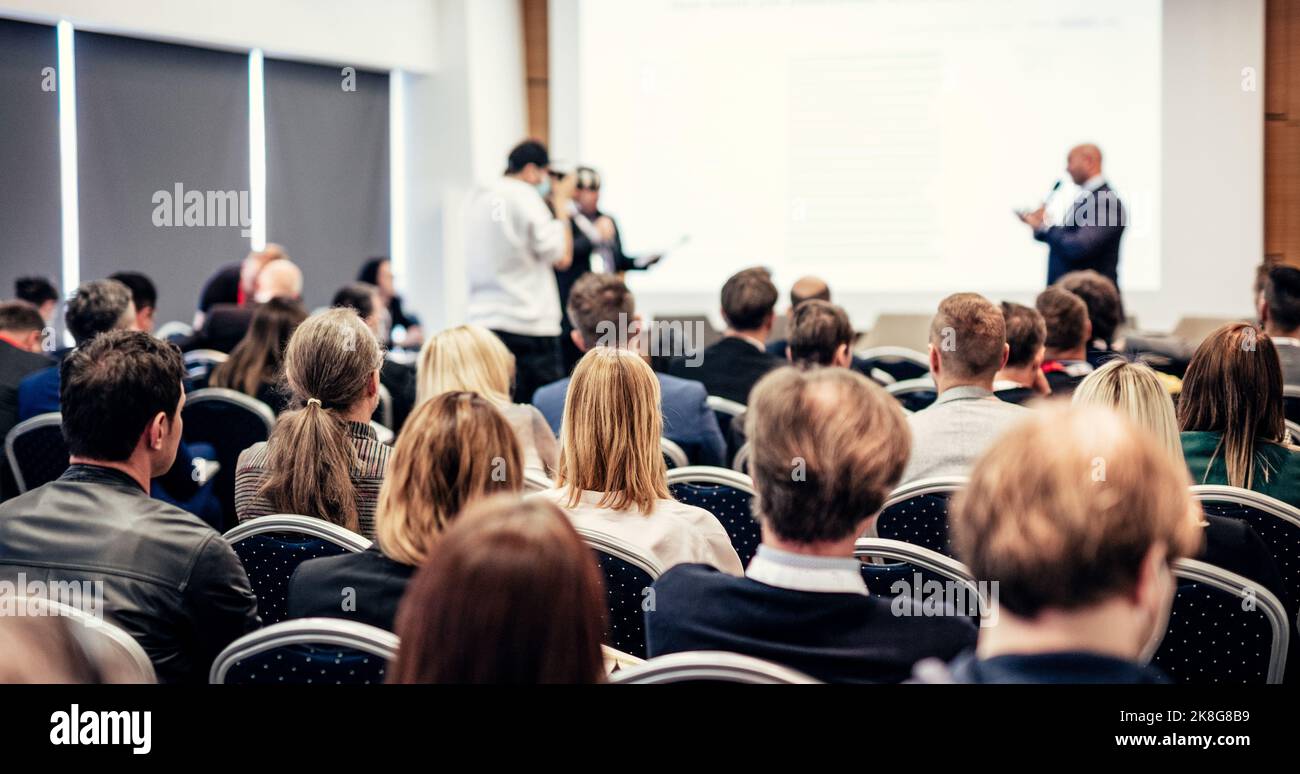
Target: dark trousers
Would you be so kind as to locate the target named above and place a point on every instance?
(537, 362)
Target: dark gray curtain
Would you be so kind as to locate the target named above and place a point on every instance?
(326, 170)
(152, 117)
(30, 208)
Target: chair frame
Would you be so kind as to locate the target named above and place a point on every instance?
(724, 405)
(896, 354)
(386, 408)
(40, 420)
(676, 453)
(922, 486)
(292, 522)
(1294, 429)
(1232, 583)
(305, 631)
(708, 474)
(174, 328)
(741, 459)
(621, 549)
(909, 386)
(117, 635)
(932, 561)
(716, 665)
(200, 356)
(210, 394)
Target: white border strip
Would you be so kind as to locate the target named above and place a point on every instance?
(256, 151)
(71, 218)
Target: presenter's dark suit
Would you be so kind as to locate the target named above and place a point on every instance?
(564, 279)
(1089, 239)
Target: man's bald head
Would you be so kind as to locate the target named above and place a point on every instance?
(1083, 163)
(279, 279)
(807, 288)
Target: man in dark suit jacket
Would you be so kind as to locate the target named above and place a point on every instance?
(224, 325)
(731, 367)
(1089, 237)
(20, 355)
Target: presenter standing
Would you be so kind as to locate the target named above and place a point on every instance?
(516, 234)
(1089, 235)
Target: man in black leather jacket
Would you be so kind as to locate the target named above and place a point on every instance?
(166, 577)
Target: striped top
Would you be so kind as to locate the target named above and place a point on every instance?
(367, 476)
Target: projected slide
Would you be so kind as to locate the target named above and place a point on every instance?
(883, 144)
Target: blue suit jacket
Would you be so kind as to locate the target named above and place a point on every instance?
(1089, 240)
(38, 393)
(688, 420)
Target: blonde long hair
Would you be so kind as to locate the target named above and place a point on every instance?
(1135, 391)
(609, 437)
(466, 358)
(453, 450)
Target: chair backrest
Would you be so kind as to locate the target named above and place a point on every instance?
(727, 495)
(917, 513)
(382, 433)
(1277, 524)
(740, 463)
(174, 329)
(629, 572)
(230, 422)
(36, 450)
(724, 410)
(321, 651)
(1223, 628)
(674, 455)
(914, 394)
(1293, 429)
(1291, 401)
(272, 547)
(898, 363)
(384, 411)
(889, 562)
(534, 481)
(199, 363)
(709, 666)
(116, 652)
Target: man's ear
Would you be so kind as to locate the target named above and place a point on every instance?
(788, 356)
(156, 431)
(1006, 353)
(373, 388)
(576, 338)
(1261, 308)
(1087, 329)
(865, 525)
(935, 364)
(843, 357)
(1149, 591)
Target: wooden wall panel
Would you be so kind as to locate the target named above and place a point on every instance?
(1282, 131)
(537, 67)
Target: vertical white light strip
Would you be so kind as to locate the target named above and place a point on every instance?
(256, 151)
(397, 176)
(67, 85)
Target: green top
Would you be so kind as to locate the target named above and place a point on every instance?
(1280, 463)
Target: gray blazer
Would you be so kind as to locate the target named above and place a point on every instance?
(949, 435)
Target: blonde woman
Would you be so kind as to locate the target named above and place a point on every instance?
(1137, 392)
(612, 476)
(323, 458)
(454, 450)
(473, 359)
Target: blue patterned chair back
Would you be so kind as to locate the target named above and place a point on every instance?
(1276, 523)
(230, 421)
(727, 495)
(888, 562)
(36, 450)
(918, 513)
(628, 574)
(315, 651)
(900, 364)
(271, 548)
(916, 394)
(1223, 629)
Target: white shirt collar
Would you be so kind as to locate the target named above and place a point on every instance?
(801, 572)
(1094, 182)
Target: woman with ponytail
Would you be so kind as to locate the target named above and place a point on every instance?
(323, 458)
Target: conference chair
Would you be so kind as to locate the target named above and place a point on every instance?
(1277, 524)
(174, 331)
(892, 568)
(727, 495)
(914, 394)
(917, 513)
(535, 481)
(709, 666)
(119, 657)
(230, 422)
(36, 450)
(1293, 431)
(320, 651)
(272, 547)
(1223, 629)
(629, 572)
(674, 456)
(740, 463)
(898, 364)
(725, 410)
(1291, 401)
(383, 434)
(199, 364)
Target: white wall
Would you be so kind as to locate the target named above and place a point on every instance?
(378, 34)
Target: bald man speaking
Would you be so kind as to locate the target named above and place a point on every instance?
(1088, 236)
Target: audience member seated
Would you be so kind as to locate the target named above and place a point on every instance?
(40, 293)
(456, 449)
(612, 476)
(470, 358)
(168, 579)
(1065, 362)
(731, 367)
(1022, 379)
(1136, 392)
(379, 272)
(323, 458)
(397, 378)
(968, 346)
(235, 283)
(1105, 311)
(254, 366)
(803, 602)
(510, 595)
(1231, 415)
(224, 325)
(1278, 304)
(603, 313)
(21, 339)
(143, 294)
(1082, 562)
